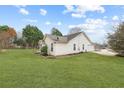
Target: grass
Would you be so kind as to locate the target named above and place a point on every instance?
(23, 68)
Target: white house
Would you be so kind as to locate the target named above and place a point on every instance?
(68, 44)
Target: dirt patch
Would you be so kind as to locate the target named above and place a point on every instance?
(3, 50)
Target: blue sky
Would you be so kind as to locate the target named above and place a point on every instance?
(95, 21)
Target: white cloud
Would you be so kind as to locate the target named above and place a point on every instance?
(59, 23)
(77, 15)
(91, 24)
(48, 23)
(31, 20)
(69, 8)
(105, 17)
(80, 10)
(91, 8)
(43, 12)
(115, 18)
(96, 29)
(23, 11)
(96, 21)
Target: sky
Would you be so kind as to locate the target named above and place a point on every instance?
(95, 20)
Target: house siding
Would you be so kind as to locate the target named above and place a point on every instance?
(67, 48)
(48, 42)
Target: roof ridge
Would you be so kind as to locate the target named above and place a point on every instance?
(72, 33)
(67, 38)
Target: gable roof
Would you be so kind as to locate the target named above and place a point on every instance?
(60, 39)
(65, 38)
(71, 36)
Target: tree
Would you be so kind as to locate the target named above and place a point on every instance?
(20, 42)
(116, 40)
(32, 35)
(56, 32)
(7, 35)
(4, 28)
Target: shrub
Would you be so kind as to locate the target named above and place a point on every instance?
(44, 50)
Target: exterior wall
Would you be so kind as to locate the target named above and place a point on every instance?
(48, 42)
(67, 48)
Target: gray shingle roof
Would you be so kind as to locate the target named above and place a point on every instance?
(71, 36)
(60, 39)
(65, 38)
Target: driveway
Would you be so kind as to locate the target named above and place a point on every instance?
(107, 52)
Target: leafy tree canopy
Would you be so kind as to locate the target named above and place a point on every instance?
(56, 32)
(7, 35)
(20, 42)
(7, 32)
(32, 35)
(116, 40)
(4, 28)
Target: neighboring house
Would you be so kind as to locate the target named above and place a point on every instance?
(68, 44)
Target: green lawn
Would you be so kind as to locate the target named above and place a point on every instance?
(23, 68)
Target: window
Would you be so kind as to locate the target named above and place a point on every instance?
(83, 46)
(74, 47)
(51, 46)
(57, 38)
